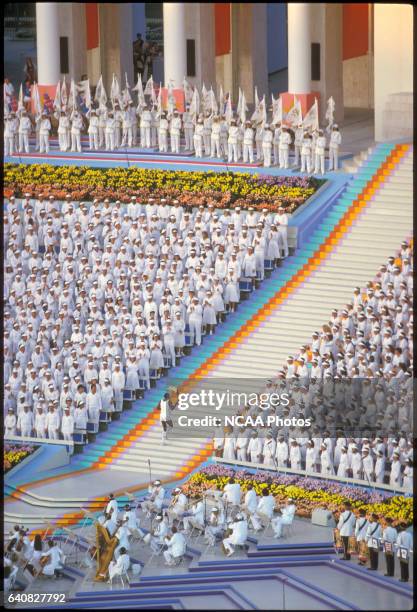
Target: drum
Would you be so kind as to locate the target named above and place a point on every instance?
(43, 561)
(337, 540)
(352, 546)
(363, 553)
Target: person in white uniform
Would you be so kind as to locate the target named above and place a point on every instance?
(286, 518)
(346, 527)
(335, 142)
(121, 566)
(176, 547)
(55, 559)
(238, 536)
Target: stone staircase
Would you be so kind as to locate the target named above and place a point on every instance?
(282, 323)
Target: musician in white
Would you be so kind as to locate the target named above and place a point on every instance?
(122, 534)
(121, 566)
(156, 498)
(112, 507)
(361, 526)
(215, 526)
(404, 543)
(132, 521)
(373, 535)
(286, 518)
(238, 536)
(196, 520)
(56, 559)
(264, 510)
(232, 493)
(177, 546)
(346, 527)
(177, 505)
(157, 535)
(250, 502)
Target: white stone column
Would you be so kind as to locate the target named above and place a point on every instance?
(299, 48)
(47, 43)
(175, 59)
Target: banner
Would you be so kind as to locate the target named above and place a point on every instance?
(311, 120)
(57, 100)
(188, 91)
(330, 113)
(294, 116)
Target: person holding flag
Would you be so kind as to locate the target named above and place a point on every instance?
(44, 129)
(267, 139)
(145, 127)
(298, 143)
(335, 142)
(306, 153)
(248, 143)
(93, 128)
(319, 153)
(175, 132)
(76, 127)
(187, 120)
(284, 148)
(63, 129)
(163, 133)
(25, 127)
(277, 127)
(215, 137)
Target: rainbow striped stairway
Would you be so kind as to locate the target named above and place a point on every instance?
(342, 252)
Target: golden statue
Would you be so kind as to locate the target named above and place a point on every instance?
(106, 546)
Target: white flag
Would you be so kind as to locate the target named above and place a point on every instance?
(213, 102)
(83, 87)
(262, 110)
(72, 98)
(239, 103)
(188, 91)
(311, 120)
(64, 94)
(221, 100)
(148, 87)
(294, 116)
(115, 93)
(172, 104)
(204, 99)
(36, 99)
(20, 105)
(229, 111)
(330, 113)
(195, 105)
(256, 99)
(57, 100)
(243, 109)
(100, 95)
(159, 101)
(139, 88)
(277, 113)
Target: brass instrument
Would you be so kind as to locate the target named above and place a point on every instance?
(44, 560)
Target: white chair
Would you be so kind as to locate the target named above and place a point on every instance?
(121, 575)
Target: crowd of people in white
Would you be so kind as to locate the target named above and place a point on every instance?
(99, 297)
(211, 133)
(355, 381)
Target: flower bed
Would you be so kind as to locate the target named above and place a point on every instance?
(308, 493)
(223, 189)
(15, 454)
